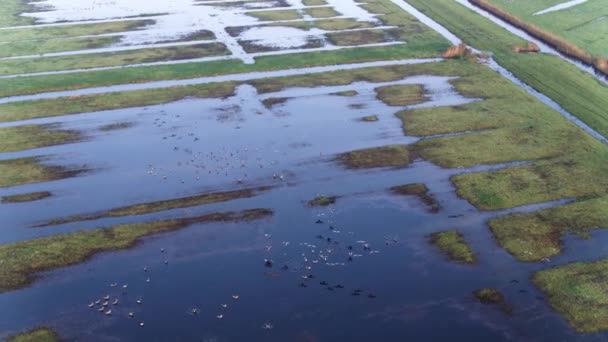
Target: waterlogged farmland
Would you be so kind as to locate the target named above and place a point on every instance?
(296, 170)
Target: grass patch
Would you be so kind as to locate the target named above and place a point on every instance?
(348, 93)
(419, 190)
(535, 236)
(314, 2)
(321, 12)
(9, 13)
(21, 261)
(52, 32)
(322, 201)
(353, 38)
(23, 48)
(401, 95)
(370, 118)
(111, 59)
(273, 101)
(28, 170)
(453, 245)
(26, 110)
(153, 207)
(20, 138)
(276, 15)
(490, 296)
(578, 292)
(31, 197)
(41, 334)
(385, 156)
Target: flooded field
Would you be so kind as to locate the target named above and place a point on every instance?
(290, 170)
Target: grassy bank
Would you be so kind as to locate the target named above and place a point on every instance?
(53, 32)
(26, 110)
(21, 171)
(153, 207)
(111, 59)
(401, 95)
(9, 13)
(578, 292)
(41, 334)
(21, 261)
(538, 235)
(20, 138)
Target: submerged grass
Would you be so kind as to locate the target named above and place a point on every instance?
(491, 296)
(153, 207)
(41, 334)
(419, 190)
(353, 38)
(20, 138)
(321, 12)
(28, 170)
(401, 95)
(21, 261)
(385, 156)
(453, 245)
(21, 198)
(536, 236)
(578, 291)
(322, 201)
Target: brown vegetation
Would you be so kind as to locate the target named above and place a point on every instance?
(458, 51)
(561, 44)
(530, 48)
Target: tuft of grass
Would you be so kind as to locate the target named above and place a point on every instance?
(30, 197)
(536, 236)
(321, 12)
(385, 156)
(401, 95)
(370, 118)
(20, 138)
(276, 15)
(153, 207)
(322, 201)
(347, 93)
(21, 261)
(273, 101)
(116, 126)
(453, 245)
(419, 190)
(28, 170)
(491, 296)
(578, 292)
(40, 334)
(9, 13)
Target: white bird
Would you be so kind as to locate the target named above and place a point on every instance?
(106, 297)
(138, 301)
(224, 305)
(141, 324)
(131, 314)
(220, 316)
(92, 304)
(109, 312)
(267, 326)
(235, 296)
(115, 302)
